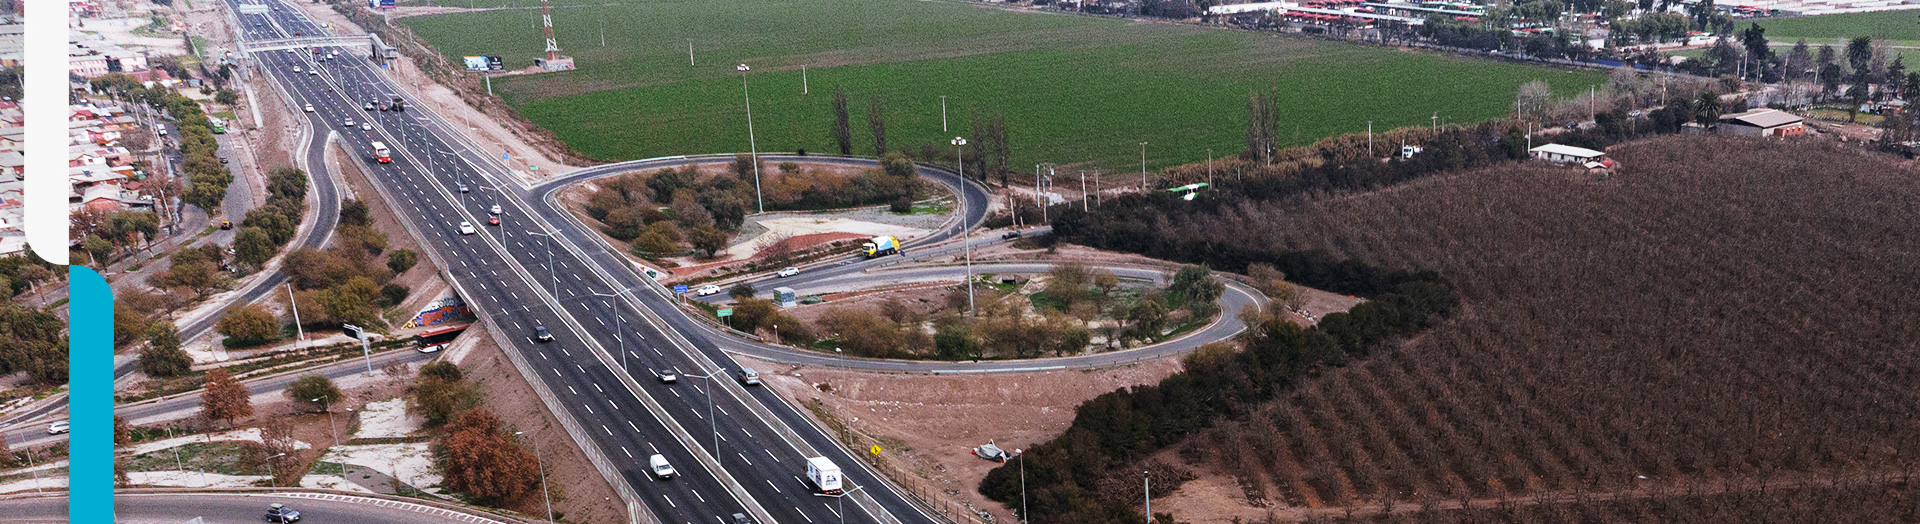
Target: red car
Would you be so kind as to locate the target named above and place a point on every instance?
(493, 220)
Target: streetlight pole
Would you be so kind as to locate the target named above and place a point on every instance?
(753, 147)
(542, 463)
(712, 422)
(1023, 485)
(967, 238)
(1143, 167)
(943, 113)
(1209, 166)
(843, 502)
(328, 407)
(619, 326)
(271, 477)
(552, 273)
(1369, 139)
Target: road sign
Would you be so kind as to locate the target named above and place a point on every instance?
(679, 288)
(875, 450)
(724, 312)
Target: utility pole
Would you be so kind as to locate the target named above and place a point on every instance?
(619, 326)
(544, 492)
(689, 52)
(803, 79)
(943, 113)
(1209, 166)
(296, 316)
(1370, 135)
(751, 144)
(1083, 191)
(967, 240)
(1143, 167)
(1148, 476)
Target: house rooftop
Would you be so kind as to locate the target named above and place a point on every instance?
(1762, 118)
(1559, 149)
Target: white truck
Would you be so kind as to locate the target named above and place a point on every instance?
(880, 246)
(824, 475)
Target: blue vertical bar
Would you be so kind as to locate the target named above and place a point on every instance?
(90, 394)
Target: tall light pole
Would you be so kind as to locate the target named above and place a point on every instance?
(1369, 139)
(1148, 477)
(1143, 167)
(1209, 166)
(712, 422)
(753, 147)
(967, 238)
(943, 113)
(619, 326)
(271, 477)
(1023, 484)
(843, 502)
(544, 493)
(552, 272)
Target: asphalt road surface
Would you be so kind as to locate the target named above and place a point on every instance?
(505, 274)
(215, 508)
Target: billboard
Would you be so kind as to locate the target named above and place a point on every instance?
(482, 63)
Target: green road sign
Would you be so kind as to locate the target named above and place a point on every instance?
(725, 312)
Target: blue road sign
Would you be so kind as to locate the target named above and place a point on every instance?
(679, 288)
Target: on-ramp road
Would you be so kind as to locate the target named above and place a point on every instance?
(220, 508)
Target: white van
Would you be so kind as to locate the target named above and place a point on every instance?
(660, 467)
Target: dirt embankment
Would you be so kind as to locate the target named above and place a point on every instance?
(580, 494)
(926, 425)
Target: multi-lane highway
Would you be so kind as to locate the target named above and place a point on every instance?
(507, 274)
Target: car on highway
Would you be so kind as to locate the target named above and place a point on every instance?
(464, 188)
(367, 106)
(787, 272)
(224, 160)
(58, 428)
(1010, 234)
(495, 209)
(349, 122)
(741, 518)
(296, 69)
(314, 72)
(309, 108)
(749, 377)
(466, 228)
(281, 513)
(658, 463)
(668, 376)
(708, 289)
(226, 224)
(540, 333)
(493, 220)
(366, 126)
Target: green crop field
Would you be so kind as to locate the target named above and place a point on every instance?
(1074, 89)
(1900, 27)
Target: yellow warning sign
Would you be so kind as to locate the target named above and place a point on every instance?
(875, 450)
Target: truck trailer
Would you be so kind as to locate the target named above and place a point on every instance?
(880, 247)
(824, 475)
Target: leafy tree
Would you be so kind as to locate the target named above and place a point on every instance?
(352, 302)
(897, 164)
(1146, 319)
(353, 212)
(741, 291)
(226, 96)
(400, 260)
(1263, 126)
(253, 247)
(955, 341)
(249, 325)
(392, 294)
(842, 125)
(708, 239)
(224, 398)
(163, 356)
(751, 314)
(482, 459)
(440, 393)
(313, 390)
(1860, 57)
(877, 123)
(1197, 287)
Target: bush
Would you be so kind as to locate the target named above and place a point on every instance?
(163, 356)
(393, 294)
(400, 260)
(902, 205)
(249, 325)
(313, 390)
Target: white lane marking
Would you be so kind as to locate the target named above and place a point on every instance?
(603, 427)
(590, 411)
(696, 495)
(655, 449)
(669, 501)
(776, 458)
(623, 449)
(743, 458)
(797, 508)
(776, 489)
(570, 388)
(636, 429)
(596, 387)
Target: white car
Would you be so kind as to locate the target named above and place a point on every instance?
(658, 463)
(495, 210)
(466, 228)
(296, 69)
(366, 126)
(314, 72)
(791, 271)
(367, 106)
(309, 108)
(708, 289)
(57, 428)
(349, 122)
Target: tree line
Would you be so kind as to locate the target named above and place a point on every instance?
(199, 151)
